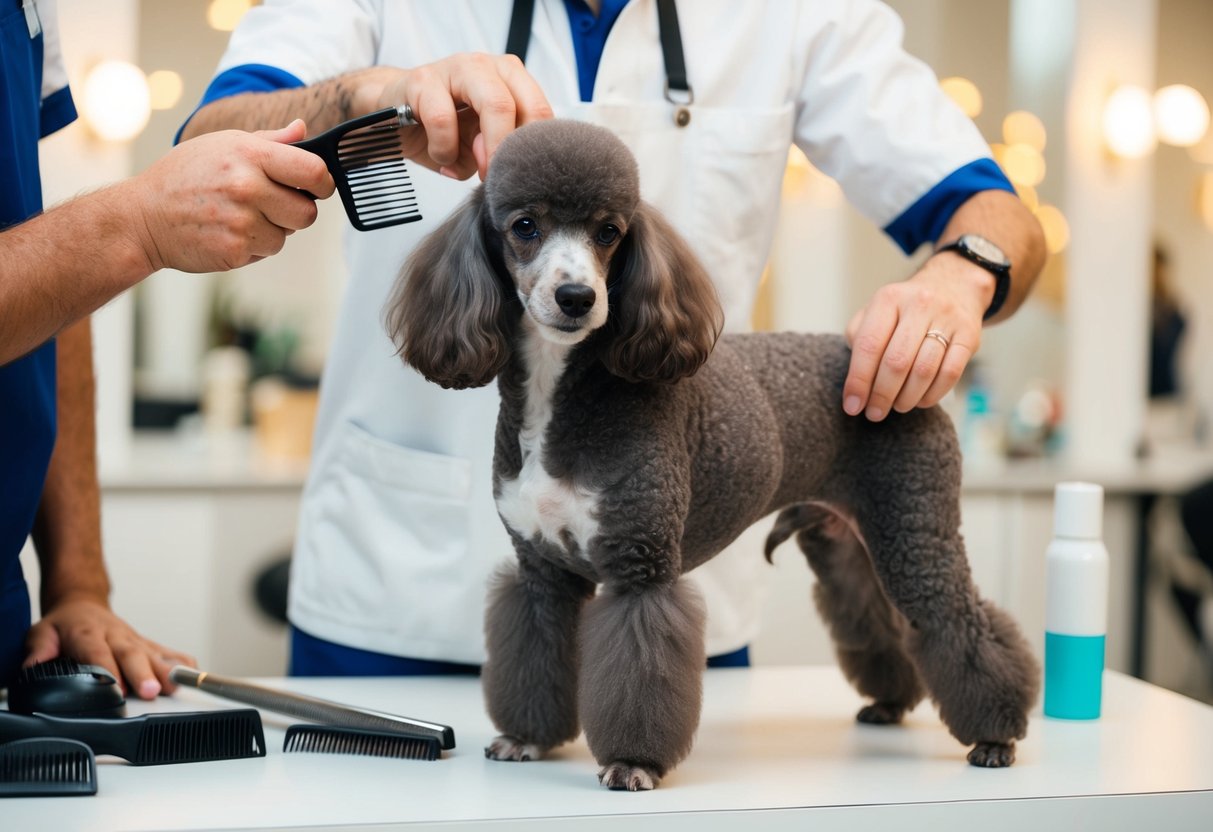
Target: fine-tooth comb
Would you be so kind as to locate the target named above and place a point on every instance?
(45, 767)
(152, 739)
(366, 159)
(333, 739)
(310, 707)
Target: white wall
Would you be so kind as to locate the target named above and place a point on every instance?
(73, 161)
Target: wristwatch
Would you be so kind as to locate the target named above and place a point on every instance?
(979, 250)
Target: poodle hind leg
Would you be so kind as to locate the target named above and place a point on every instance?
(530, 678)
(901, 480)
(643, 656)
(975, 663)
(868, 634)
(984, 677)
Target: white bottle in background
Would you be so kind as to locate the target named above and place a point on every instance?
(1076, 611)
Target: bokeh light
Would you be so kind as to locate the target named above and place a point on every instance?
(165, 87)
(965, 93)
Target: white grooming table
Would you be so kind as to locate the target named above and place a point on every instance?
(777, 748)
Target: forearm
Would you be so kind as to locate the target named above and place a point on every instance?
(321, 105)
(59, 266)
(1002, 218)
(67, 529)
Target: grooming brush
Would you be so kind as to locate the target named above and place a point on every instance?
(152, 739)
(332, 739)
(366, 159)
(309, 707)
(64, 687)
(47, 768)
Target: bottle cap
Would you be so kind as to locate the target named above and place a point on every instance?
(1078, 510)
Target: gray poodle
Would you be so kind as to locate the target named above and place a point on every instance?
(633, 445)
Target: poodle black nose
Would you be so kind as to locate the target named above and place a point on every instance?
(575, 299)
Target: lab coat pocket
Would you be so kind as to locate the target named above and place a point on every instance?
(389, 534)
(739, 163)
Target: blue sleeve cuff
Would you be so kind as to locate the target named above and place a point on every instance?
(926, 219)
(241, 79)
(58, 111)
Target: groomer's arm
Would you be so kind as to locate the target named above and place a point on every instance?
(466, 103)
(206, 206)
(76, 617)
(894, 364)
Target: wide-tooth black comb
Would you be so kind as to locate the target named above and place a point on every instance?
(152, 739)
(44, 767)
(333, 739)
(366, 159)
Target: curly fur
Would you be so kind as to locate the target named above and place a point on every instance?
(633, 445)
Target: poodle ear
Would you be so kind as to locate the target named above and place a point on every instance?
(446, 315)
(667, 317)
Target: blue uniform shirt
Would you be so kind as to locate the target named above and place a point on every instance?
(27, 385)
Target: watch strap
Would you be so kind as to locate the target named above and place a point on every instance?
(1001, 274)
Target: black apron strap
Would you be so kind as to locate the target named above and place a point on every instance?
(671, 50)
(677, 87)
(519, 37)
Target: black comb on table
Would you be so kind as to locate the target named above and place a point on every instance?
(47, 767)
(151, 739)
(366, 159)
(334, 739)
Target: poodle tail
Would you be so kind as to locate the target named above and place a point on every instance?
(810, 517)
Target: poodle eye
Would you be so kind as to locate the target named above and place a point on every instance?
(526, 229)
(607, 235)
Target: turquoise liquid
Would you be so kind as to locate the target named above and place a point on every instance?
(1073, 676)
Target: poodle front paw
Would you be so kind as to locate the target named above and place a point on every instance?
(506, 747)
(992, 754)
(880, 713)
(620, 776)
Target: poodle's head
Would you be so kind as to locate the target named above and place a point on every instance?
(556, 240)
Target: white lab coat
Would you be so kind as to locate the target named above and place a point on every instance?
(399, 532)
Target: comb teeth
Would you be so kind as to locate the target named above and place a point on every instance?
(331, 739)
(47, 768)
(379, 185)
(194, 737)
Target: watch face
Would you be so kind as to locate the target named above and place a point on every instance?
(984, 248)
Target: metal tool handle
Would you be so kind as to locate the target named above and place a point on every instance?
(307, 707)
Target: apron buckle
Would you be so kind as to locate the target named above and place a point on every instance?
(682, 100)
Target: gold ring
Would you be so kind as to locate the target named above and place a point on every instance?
(938, 336)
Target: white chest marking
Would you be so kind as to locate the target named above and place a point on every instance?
(534, 502)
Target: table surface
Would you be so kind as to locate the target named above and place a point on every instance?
(770, 739)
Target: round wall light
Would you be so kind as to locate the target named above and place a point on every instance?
(1181, 114)
(1128, 122)
(116, 103)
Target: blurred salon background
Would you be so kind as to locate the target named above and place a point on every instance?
(1096, 109)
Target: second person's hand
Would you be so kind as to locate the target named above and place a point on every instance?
(466, 104)
(226, 199)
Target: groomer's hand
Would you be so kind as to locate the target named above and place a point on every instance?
(85, 629)
(224, 200)
(895, 364)
(466, 104)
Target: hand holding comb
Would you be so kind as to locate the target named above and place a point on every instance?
(309, 707)
(366, 159)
